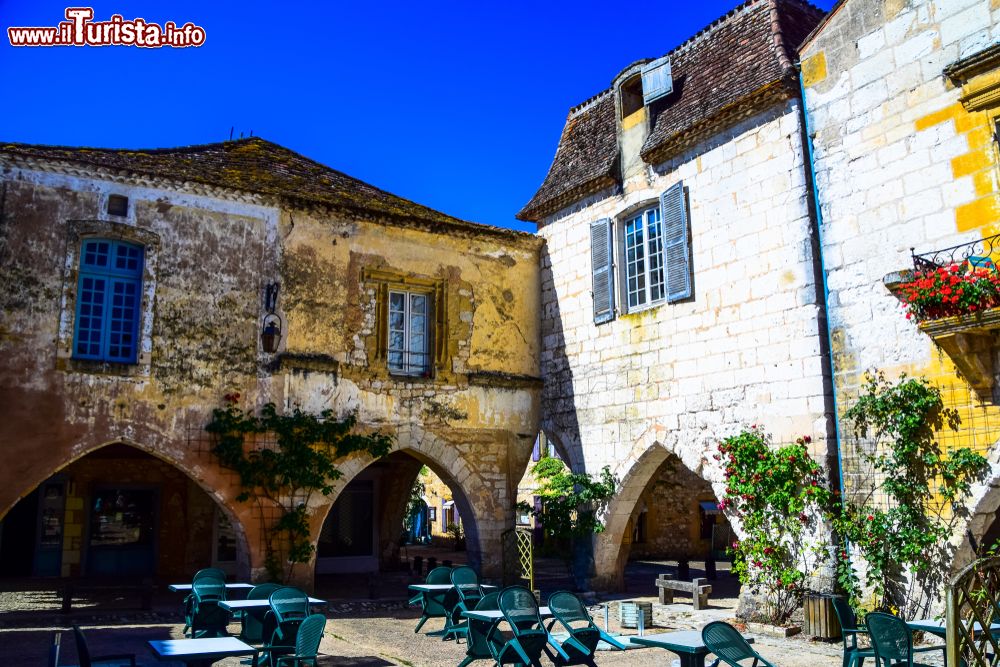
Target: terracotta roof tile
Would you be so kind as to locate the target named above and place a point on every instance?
(739, 57)
(256, 166)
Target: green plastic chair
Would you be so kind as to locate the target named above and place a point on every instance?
(86, 660)
(432, 603)
(893, 640)
(584, 635)
(465, 594)
(306, 642)
(854, 655)
(729, 646)
(252, 621)
(208, 619)
(482, 642)
(528, 636)
(289, 607)
(209, 572)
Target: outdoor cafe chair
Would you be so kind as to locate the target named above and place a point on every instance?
(465, 594)
(306, 643)
(584, 635)
(482, 642)
(86, 660)
(208, 572)
(892, 640)
(208, 619)
(252, 621)
(432, 604)
(729, 646)
(289, 607)
(854, 655)
(527, 634)
(54, 650)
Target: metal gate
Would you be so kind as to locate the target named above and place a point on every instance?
(972, 604)
(518, 557)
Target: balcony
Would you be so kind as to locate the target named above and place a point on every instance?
(967, 331)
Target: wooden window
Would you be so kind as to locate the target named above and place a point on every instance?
(109, 296)
(409, 333)
(118, 205)
(643, 259)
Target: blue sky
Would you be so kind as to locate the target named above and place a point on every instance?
(456, 105)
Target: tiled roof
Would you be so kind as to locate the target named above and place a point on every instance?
(256, 166)
(745, 56)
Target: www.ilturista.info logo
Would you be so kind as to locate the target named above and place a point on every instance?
(81, 30)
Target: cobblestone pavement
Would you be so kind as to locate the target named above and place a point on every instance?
(367, 632)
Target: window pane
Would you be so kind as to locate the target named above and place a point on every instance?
(397, 301)
(418, 303)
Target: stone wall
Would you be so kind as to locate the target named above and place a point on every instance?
(678, 377)
(904, 158)
(210, 254)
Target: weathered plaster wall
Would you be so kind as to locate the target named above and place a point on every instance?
(209, 257)
(477, 414)
(678, 377)
(900, 164)
(205, 262)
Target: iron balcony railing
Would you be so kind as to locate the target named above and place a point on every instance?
(976, 252)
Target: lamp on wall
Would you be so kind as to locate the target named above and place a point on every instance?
(270, 335)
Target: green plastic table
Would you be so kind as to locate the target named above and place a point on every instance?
(200, 652)
(687, 644)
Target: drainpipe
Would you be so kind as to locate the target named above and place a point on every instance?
(817, 221)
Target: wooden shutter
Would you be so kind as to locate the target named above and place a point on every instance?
(657, 80)
(676, 246)
(601, 262)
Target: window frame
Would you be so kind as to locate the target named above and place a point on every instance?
(112, 277)
(642, 213)
(407, 369)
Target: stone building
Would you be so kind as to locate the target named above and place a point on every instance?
(141, 286)
(902, 106)
(681, 289)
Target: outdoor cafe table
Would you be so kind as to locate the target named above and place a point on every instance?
(687, 644)
(938, 628)
(436, 588)
(495, 615)
(240, 605)
(201, 652)
(186, 588)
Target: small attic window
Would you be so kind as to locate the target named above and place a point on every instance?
(631, 95)
(118, 205)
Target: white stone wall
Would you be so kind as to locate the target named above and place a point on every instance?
(744, 350)
(885, 170)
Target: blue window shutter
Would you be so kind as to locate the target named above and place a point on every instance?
(676, 246)
(657, 80)
(601, 261)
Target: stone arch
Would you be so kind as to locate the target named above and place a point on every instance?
(238, 516)
(982, 505)
(478, 499)
(635, 474)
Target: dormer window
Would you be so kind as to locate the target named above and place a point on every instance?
(631, 96)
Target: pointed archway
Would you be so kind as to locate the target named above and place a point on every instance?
(120, 510)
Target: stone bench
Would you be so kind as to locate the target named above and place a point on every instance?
(698, 589)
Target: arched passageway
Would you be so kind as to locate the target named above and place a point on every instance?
(364, 529)
(118, 511)
(663, 510)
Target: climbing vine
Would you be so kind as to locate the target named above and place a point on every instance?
(297, 462)
(778, 496)
(901, 523)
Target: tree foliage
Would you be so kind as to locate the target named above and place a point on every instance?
(284, 474)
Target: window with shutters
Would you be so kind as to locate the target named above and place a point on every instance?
(108, 303)
(654, 257)
(643, 259)
(409, 351)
